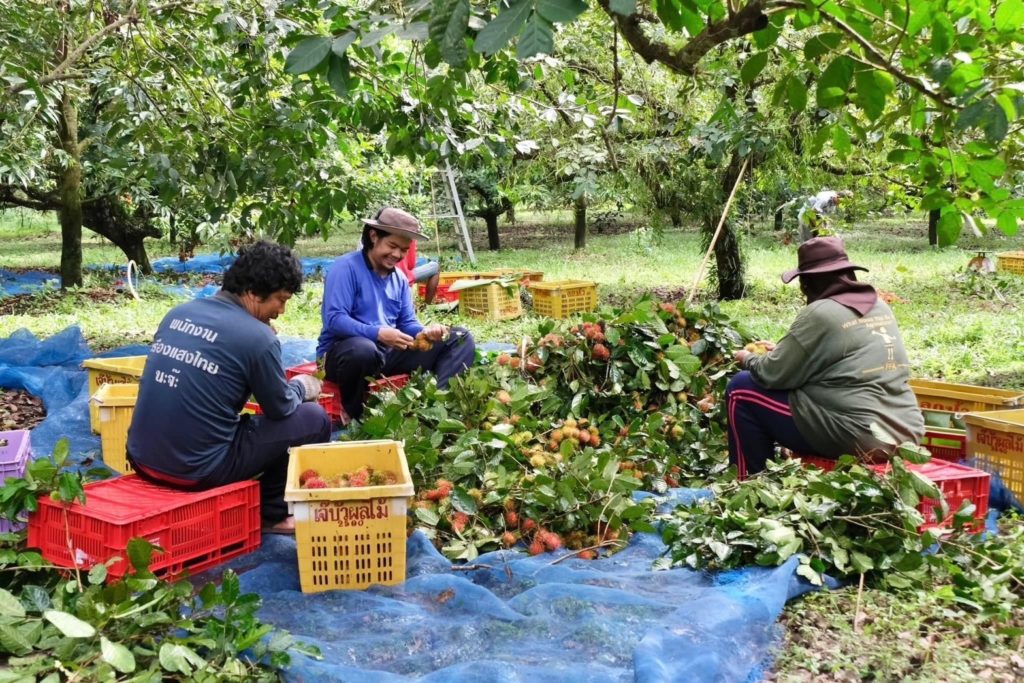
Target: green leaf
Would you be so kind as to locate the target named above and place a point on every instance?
(343, 42)
(835, 82)
(463, 502)
(973, 114)
(308, 55)
(174, 657)
(808, 573)
(873, 87)
(753, 67)
(796, 92)
(14, 641)
(623, 8)
(68, 624)
(337, 75)
(140, 553)
(427, 516)
(949, 226)
(500, 30)
(538, 38)
(841, 141)
(1009, 15)
(821, 44)
(861, 562)
(61, 451)
(997, 125)
(10, 606)
(448, 29)
(117, 655)
(668, 12)
(560, 11)
(924, 486)
(1007, 223)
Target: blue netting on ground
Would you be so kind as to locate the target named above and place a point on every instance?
(513, 617)
(13, 282)
(21, 282)
(507, 617)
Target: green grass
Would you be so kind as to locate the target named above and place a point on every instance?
(950, 332)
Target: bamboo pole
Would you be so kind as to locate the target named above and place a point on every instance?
(718, 231)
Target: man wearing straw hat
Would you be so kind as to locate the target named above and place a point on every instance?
(836, 384)
(369, 324)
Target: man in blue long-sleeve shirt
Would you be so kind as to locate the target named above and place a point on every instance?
(369, 325)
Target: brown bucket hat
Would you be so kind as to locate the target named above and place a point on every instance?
(820, 255)
(397, 222)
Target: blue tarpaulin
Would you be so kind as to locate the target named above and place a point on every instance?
(26, 282)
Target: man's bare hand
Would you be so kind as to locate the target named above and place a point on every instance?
(435, 333)
(394, 338)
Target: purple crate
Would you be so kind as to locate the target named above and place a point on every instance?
(15, 450)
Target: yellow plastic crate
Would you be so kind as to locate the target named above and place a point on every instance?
(526, 276)
(124, 370)
(349, 538)
(455, 276)
(996, 442)
(1011, 262)
(115, 405)
(491, 301)
(963, 398)
(562, 298)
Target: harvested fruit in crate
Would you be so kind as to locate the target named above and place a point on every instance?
(364, 476)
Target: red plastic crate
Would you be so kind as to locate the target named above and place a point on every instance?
(334, 407)
(957, 483)
(326, 401)
(15, 451)
(946, 444)
(197, 530)
(443, 293)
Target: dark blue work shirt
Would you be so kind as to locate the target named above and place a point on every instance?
(208, 357)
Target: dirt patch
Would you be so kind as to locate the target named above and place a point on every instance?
(20, 410)
(897, 638)
(29, 304)
(521, 235)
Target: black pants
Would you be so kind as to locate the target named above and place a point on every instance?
(349, 362)
(260, 448)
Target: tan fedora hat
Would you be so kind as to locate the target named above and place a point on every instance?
(397, 222)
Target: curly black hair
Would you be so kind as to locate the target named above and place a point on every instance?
(264, 268)
(367, 229)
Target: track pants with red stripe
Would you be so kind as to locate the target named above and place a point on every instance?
(759, 419)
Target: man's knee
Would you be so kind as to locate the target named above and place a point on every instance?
(314, 424)
(741, 380)
(463, 346)
(356, 355)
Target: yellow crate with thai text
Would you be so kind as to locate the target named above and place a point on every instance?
(455, 276)
(1010, 262)
(526, 277)
(115, 405)
(353, 537)
(493, 301)
(995, 441)
(947, 397)
(562, 298)
(123, 370)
